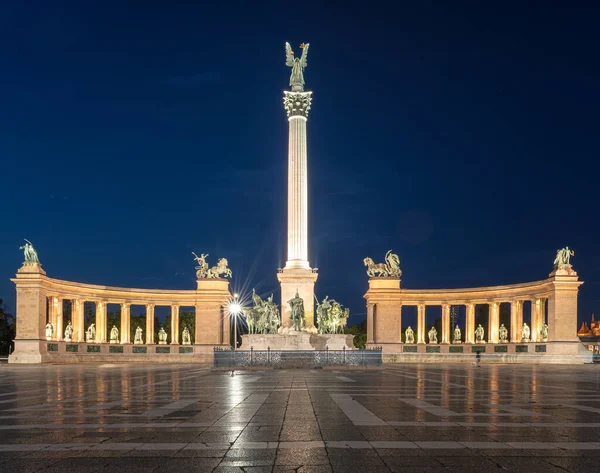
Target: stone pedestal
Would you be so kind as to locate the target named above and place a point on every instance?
(295, 340)
(212, 317)
(30, 340)
(384, 311)
(562, 304)
(301, 280)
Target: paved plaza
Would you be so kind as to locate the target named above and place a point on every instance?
(189, 418)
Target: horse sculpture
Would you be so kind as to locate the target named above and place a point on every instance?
(220, 268)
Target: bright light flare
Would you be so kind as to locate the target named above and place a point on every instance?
(235, 308)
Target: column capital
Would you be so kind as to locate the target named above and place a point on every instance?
(150, 306)
(297, 104)
(125, 305)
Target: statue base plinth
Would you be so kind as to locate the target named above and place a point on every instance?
(525, 340)
(138, 343)
(114, 341)
(297, 341)
(457, 342)
(563, 270)
(160, 342)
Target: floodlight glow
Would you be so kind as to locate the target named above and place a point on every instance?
(235, 308)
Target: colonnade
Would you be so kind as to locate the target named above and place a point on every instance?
(375, 333)
(58, 320)
(40, 300)
(553, 301)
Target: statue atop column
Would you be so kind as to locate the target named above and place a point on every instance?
(297, 65)
(69, 332)
(479, 334)
(297, 311)
(563, 257)
(409, 335)
(202, 268)
(220, 268)
(389, 269)
(29, 252)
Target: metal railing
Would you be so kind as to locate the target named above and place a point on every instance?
(229, 358)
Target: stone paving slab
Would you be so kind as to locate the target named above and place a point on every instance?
(445, 418)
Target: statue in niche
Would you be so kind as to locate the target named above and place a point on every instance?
(563, 257)
(90, 335)
(409, 335)
(457, 335)
(220, 268)
(114, 334)
(479, 334)
(525, 333)
(162, 336)
(137, 340)
(297, 311)
(297, 65)
(389, 269)
(69, 332)
(185, 336)
(49, 331)
(202, 268)
(544, 332)
(503, 333)
(29, 252)
(432, 335)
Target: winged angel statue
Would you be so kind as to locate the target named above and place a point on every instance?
(297, 65)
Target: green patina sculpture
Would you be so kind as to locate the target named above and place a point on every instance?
(31, 255)
(563, 256)
(409, 335)
(297, 315)
(479, 334)
(331, 316)
(389, 269)
(263, 317)
(297, 65)
(433, 335)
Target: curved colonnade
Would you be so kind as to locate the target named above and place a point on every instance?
(553, 301)
(40, 300)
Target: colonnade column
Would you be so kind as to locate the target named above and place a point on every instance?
(421, 323)
(445, 323)
(125, 322)
(470, 324)
(370, 312)
(400, 324)
(537, 309)
(58, 311)
(174, 324)
(78, 320)
(150, 323)
(101, 322)
(516, 320)
(493, 322)
(226, 325)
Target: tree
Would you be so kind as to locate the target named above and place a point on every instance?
(360, 334)
(8, 330)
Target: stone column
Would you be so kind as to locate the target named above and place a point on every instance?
(535, 319)
(149, 323)
(78, 320)
(174, 324)
(470, 324)
(493, 322)
(297, 275)
(101, 322)
(31, 315)
(445, 323)
(125, 322)
(370, 332)
(421, 323)
(515, 328)
(562, 305)
(226, 335)
(400, 324)
(60, 323)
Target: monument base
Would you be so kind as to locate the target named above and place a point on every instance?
(297, 341)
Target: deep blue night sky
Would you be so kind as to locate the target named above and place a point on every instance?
(464, 137)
